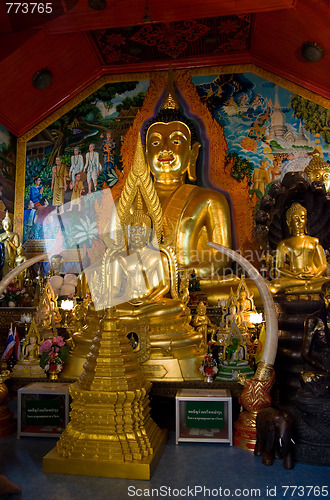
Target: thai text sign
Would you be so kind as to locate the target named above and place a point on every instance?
(205, 414)
(43, 412)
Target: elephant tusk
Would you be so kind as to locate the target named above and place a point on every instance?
(270, 348)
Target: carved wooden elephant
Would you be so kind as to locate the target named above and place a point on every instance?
(274, 429)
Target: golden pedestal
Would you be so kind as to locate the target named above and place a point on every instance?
(139, 469)
(111, 433)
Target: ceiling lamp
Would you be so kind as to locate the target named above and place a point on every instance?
(312, 51)
(97, 4)
(42, 79)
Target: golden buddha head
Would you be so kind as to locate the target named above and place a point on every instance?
(296, 218)
(170, 152)
(171, 145)
(6, 223)
(318, 170)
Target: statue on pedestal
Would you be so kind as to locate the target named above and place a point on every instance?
(20, 258)
(48, 316)
(203, 324)
(300, 260)
(10, 241)
(28, 363)
(234, 359)
(139, 275)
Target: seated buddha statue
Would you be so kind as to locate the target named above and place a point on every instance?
(300, 259)
(28, 363)
(194, 215)
(139, 276)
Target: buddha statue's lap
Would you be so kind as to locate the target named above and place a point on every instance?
(300, 259)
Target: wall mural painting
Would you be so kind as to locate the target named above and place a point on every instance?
(71, 162)
(76, 163)
(7, 171)
(269, 130)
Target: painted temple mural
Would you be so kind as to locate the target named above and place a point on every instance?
(269, 130)
(7, 171)
(263, 131)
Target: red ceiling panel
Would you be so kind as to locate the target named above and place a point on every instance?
(72, 62)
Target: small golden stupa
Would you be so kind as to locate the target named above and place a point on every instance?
(111, 433)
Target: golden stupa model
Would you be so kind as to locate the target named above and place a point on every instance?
(111, 433)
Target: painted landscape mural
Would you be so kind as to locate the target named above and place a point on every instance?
(266, 130)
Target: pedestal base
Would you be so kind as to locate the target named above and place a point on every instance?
(245, 431)
(138, 469)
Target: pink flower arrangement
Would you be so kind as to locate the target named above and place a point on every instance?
(13, 293)
(53, 354)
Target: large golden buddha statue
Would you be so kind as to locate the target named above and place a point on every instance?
(300, 259)
(139, 276)
(196, 215)
(318, 170)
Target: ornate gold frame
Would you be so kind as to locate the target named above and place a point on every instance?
(22, 141)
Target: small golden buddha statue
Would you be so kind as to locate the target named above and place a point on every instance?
(196, 215)
(245, 303)
(10, 241)
(300, 259)
(318, 170)
(20, 258)
(48, 316)
(203, 324)
(28, 363)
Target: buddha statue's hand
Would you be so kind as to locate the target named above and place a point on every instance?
(136, 302)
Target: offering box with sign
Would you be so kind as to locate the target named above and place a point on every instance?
(43, 409)
(204, 415)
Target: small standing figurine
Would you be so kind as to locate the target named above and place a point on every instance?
(20, 258)
(10, 241)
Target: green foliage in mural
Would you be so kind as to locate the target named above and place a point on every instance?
(135, 101)
(79, 116)
(316, 118)
(240, 167)
(275, 145)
